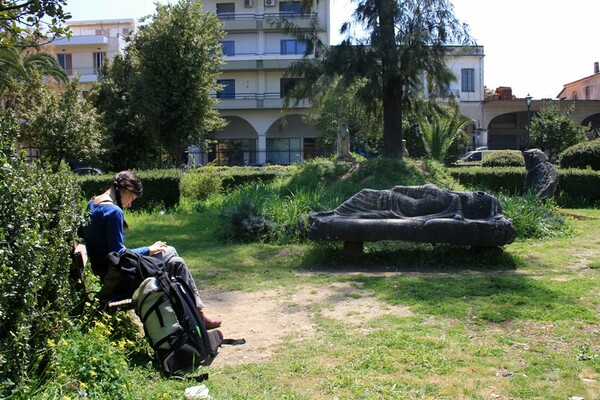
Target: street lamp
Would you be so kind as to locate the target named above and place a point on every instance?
(528, 101)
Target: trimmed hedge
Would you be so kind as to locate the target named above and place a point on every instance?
(508, 180)
(238, 176)
(576, 187)
(582, 155)
(503, 158)
(161, 188)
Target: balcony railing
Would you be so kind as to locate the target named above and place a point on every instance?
(248, 96)
(275, 15)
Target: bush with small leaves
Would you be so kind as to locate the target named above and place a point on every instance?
(39, 214)
(503, 158)
(582, 155)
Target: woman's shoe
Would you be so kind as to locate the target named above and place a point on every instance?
(210, 323)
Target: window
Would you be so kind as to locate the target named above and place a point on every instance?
(467, 80)
(126, 31)
(98, 61)
(587, 92)
(226, 11)
(291, 8)
(228, 47)
(228, 91)
(103, 32)
(293, 47)
(236, 152)
(287, 84)
(65, 61)
(284, 151)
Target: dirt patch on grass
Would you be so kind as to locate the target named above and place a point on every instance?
(268, 318)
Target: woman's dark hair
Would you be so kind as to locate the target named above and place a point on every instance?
(126, 180)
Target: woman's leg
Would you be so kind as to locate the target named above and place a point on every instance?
(176, 266)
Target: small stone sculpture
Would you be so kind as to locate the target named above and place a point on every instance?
(541, 176)
(343, 141)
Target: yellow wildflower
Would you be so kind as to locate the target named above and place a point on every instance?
(49, 343)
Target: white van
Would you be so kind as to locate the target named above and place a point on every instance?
(474, 158)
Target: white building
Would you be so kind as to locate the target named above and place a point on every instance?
(257, 55)
(92, 44)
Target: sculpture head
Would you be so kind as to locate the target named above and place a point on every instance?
(534, 157)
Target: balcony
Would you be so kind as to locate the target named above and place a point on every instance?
(237, 101)
(83, 40)
(258, 62)
(250, 22)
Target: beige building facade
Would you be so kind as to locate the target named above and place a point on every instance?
(91, 45)
(256, 56)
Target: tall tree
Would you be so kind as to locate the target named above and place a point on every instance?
(130, 144)
(406, 50)
(65, 126)
(179, 55)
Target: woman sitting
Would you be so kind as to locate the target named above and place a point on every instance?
(104, 233)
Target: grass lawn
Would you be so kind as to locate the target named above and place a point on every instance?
(525, 325)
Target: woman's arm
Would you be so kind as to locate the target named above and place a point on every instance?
(115, 234)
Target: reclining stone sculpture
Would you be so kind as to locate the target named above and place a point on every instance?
(426, 214)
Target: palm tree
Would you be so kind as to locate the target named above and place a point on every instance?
(440, 130)
(17, 65)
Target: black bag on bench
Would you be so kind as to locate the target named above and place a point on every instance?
(173, 325)
(126, 271)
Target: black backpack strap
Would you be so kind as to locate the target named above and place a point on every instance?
(234, 342)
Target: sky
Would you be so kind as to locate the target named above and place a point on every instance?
(533, 46)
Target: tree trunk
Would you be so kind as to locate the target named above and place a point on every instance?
(392, 84)
(392, 121)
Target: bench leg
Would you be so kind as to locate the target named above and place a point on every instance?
(353, 248)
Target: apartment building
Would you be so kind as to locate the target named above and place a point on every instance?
(92, 44)
(256, 56)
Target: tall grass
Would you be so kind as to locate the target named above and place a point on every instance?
(533, 218)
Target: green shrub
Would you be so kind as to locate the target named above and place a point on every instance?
(507, 180)
(534, 219)
(582, 155)
(503, 158)
(39, 214)
(244, 215)
(201, 183)
(578, 188)
(238, 176)
(161, 188)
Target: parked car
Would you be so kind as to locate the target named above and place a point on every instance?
(474, 158)
(87, 171)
